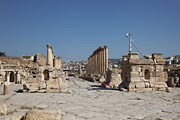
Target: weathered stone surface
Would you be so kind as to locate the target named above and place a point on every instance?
(88, 101)
(63, 87)
(46, 114)
(144, 73)
(3, 109)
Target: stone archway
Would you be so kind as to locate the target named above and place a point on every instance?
(46, 74)
(147, 74)
(12, 77)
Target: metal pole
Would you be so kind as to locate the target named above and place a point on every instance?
(130, 49)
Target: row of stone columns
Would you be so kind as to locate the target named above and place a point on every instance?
(98, 61)
(51, 58)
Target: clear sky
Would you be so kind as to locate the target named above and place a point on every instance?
(75, 28)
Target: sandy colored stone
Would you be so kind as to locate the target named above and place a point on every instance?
(43, 115)
(3, 109)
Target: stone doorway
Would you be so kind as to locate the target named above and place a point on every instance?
(12, 77)
(147, 74)
(46, 74)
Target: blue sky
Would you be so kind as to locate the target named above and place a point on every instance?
(75, 28)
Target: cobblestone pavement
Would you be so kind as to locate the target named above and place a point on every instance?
(86, 100)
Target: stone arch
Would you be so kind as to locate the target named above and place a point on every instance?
(147, 74)
(12, 77)
(46, 74)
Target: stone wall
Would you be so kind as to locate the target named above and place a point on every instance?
(33, 72)
(143, 73)
(113, 79)
(173, 76)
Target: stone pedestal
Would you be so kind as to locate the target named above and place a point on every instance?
(5, 91)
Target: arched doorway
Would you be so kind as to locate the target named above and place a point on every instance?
(46, 74)
(12, 77)
(147, 74)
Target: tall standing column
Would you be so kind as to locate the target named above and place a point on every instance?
(104, 61)
(106, 57)
(92, 64)
(96, 69)
(7, 78)
(49, 56)
(87, 67)
(100, 63)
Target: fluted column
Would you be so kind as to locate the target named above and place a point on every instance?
(7, 78)
(96, 70)
(49, 56)
(104, 61)
(100, 61)
(106, 57)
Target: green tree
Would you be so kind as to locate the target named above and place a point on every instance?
(2, 54)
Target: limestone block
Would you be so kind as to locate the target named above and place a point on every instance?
(131, 85)
(140, 85)
(147, 85)
(160, 85)
(63, 87)
(42, 85)
(31, 87)
(135, 79)
(134, 74)
(176, 80)
(43, 115)
(171, 82)
(17, 116)
(102, 79)
(53, 84)
(3, 109)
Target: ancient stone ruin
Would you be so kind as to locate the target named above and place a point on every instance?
(98, 61)
(139, 73)
(173, 76)
(33, 72)
(97, 64)
(143, 73)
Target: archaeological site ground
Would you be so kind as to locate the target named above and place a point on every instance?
(33, 88)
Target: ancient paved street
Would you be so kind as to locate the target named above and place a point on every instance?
(86, 100)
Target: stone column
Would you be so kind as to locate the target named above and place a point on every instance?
(17, 77)
(93, 64)
(97, 62)
(7, 78)
(90, 65)
(102, 61)
(80, 71)
(96, 69)
(5, 91)
(49, 56)
(55, 62)
(106, 57)
(59, 62)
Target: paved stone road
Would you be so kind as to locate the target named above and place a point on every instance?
(86, 100)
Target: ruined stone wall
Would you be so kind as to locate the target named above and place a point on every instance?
(173, 76)
(51, 58)
(17, 70)
(39, 58)
(113, 78)
(143, 73)
(98, 61)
